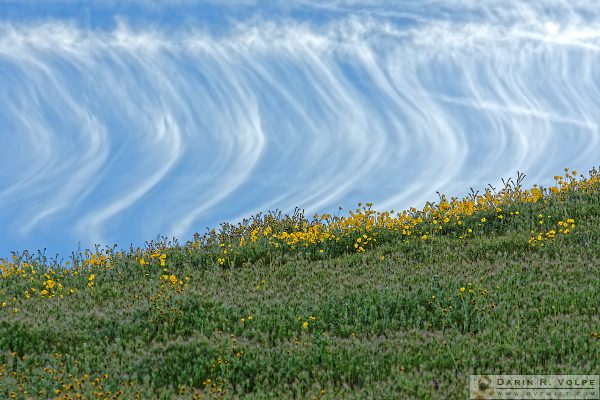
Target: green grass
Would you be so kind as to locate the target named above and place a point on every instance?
(376, 330)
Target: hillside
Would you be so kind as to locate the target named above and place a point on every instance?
(363, 304)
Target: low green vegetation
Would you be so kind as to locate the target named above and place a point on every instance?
(369, 305)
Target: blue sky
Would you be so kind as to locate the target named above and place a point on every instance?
(121, 121)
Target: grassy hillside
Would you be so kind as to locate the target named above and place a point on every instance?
(364, 305)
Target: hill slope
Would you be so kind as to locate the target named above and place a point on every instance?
(369, 305)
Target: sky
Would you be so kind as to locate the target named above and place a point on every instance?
(123, 121)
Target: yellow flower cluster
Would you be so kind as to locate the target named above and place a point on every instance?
(63, 385)
(216, 382)
(305, 324)
(172, 279)
(564, 228)
(152, 255)
(362, 242)
(465, 295)
(364, 226)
